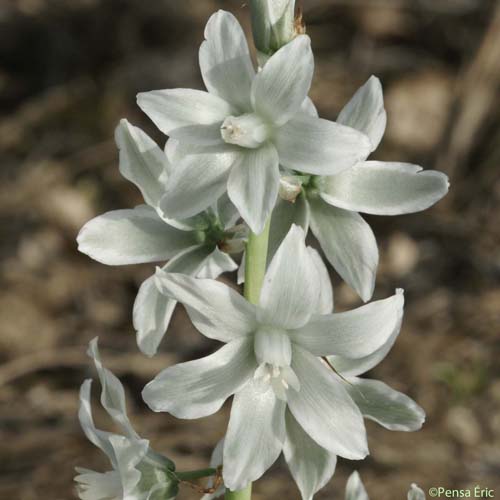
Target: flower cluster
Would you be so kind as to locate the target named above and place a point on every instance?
(250, 158)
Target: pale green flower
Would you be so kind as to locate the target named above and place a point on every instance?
(138, 473)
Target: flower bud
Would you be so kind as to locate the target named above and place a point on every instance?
(273, 24)
(290, 188)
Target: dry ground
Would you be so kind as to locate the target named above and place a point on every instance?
(70, 70)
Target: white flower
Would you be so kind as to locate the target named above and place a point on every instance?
(355, 490)
(138, 472)
(196, 246)
(246, 125)
(286, 396)
(332, 202)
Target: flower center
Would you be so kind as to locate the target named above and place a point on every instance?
(248, 131)
(273, 351)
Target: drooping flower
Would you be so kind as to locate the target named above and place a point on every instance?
(355, 490)
(246, 125)
(138, 473)
(287, 397)
(330, 203)
(198, 246)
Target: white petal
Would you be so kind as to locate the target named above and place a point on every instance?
(324, 284)
(354, 367)
(133, 236)
(254, 437)
(282, 85)
(174, 109)
(128, 455)
(253, 185)
(226, 212)
(353, 334)
(284, 215)
(112, 393)
(355, 489)
(200, 135)
(318, 146)
(199, 388)
(219, 311)
(95, 436)
(391, 409)
(382, 188)
(142, 162)
(349, 244)
(324, 408)
(415, 493)
(215, 264)
(152, 310)
(310, 465)
(197, 182)
(289, 294)
(225, 61)
(365, 111)
(309, 108)
(98, 486)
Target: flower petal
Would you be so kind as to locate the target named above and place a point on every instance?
(282, 85)
(215, 309)
(215, 264)
(254, 437)
(92, 485)
(383, 188)
(128, 455)
(225, 61)
(310, 465)
(324, 409)
(176, 108)
(348, 243)
(135, 236)
(353, 334)
(152, 310)
(142, 162)
(355, 489)
(112, 394)
(289, 294)
(318, 146)
(253, 185)
(365, 111)
(325, 303)
(354, 367)
(197, 182)
(391, 409)
(284, 215)
(415, 493)
(199, 388)
(95, 436)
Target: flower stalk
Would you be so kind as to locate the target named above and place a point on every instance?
(255, 263)
(255, 269)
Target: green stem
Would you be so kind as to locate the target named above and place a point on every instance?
(255, 263)
(255, 269)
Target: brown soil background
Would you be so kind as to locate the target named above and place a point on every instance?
(70, 69)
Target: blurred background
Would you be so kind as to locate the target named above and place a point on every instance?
(69, 70)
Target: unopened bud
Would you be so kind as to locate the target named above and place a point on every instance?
(290, 188)
(273, 24)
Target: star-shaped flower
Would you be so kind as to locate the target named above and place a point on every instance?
(246, 126)
(287, 397)
(138, 472)
(330, 203)
(198, 246)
